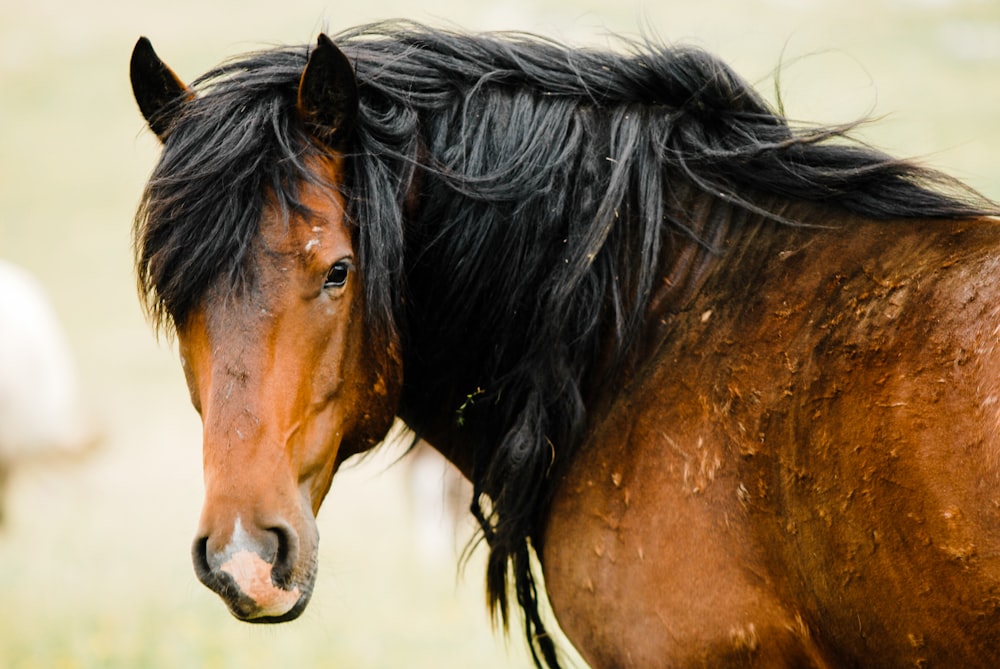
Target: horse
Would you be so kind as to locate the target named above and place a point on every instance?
(43, 416)
(727, 387)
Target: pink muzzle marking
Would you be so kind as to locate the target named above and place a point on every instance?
(252, 575)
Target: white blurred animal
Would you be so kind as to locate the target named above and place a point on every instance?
(41, 414)
(439, 501)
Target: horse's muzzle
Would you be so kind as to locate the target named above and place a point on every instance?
(254, 573)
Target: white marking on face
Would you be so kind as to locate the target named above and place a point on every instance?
(312, 243)
(240, 539)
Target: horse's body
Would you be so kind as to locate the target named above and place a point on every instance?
(737, 387)
(808, 474)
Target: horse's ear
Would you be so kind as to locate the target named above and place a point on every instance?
(156, 88)
(328, 93)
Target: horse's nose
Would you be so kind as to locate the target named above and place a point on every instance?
(251, 569)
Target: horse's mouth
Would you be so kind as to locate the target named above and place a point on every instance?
(284, 606)
(248, 612)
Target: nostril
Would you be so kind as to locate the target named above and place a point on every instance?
(199, 555)
(286, 554)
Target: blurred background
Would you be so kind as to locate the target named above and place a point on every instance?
(94, 565)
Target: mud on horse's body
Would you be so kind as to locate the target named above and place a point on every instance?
(736, 384)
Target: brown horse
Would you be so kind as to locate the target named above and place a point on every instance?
(736, 385)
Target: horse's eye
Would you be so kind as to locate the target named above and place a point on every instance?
(337, 276)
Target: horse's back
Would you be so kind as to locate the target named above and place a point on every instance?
(806, 472)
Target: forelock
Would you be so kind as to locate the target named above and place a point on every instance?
(237, 143)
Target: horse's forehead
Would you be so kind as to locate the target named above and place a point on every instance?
(307, 233)
(320, 223)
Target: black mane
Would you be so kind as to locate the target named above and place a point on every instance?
(513, 200)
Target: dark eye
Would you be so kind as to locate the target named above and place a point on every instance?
(337, 276)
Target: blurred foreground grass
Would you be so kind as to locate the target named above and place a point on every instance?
(94, 568)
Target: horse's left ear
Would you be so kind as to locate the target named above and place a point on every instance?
(156, 88)
(328, 93)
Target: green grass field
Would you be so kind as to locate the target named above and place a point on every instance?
(94, 567)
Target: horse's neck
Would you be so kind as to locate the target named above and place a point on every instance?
(713, 235)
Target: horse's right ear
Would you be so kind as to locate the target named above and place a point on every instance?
(328, 92)
(156, 88)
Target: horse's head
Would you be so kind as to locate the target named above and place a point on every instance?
(286, 379)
